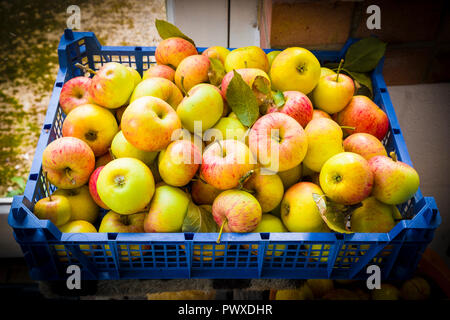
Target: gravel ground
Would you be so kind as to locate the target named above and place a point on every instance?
(29, 63)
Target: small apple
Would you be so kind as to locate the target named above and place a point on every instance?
(119, 223)
(247, 57)
(373, 216)
(74, 93)
(159, 71)
(364, 144)
(203, 193)
(192, 71)
(395, 182)
(346, 178)
(112, 85)
(149, 122)
(236, 211)
(279, 141)
(295, 69)
(93, 188)
(333, 92)
(125, 185)
(172, 51)
(83, 206)
(94, 125)
(159, 88)
(291, 176)
(167, 210)
(54, 208)
(68, 162)
(268, 189)
(225, 163)
(121, 148)
(320, 114)
(217, 52)
(297, 105)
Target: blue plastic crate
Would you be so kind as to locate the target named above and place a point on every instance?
(49, 252)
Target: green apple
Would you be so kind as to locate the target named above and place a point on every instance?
(271, 56)
(204, 105)
(373, 216)
(227, 128)
(247, 57)
(125, 185)
(121, 148)
(295, 69)
(267, 188)
(54, 208)
(333, 92)
(291, 176)
(324, 141)
(83, 206)
(167, 210)
(364, 144)
(159, 88)
(394, 181)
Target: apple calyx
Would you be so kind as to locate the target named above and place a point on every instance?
(119, 180)
(393, 156)
(124, 219)
(91, 135)
(68, 171)
(86, 69)
(339, 69)
(337, 178)
(302, 68)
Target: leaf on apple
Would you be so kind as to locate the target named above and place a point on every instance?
(262, 84)
(278, 99)
(334, 214)
(216, 71)
(364, 55)
(168, 30)
(198, 219)
(242, 101)
(362, 78)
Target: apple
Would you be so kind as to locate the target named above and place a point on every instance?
(279, 141)
(333, 92)
(172, 51)
(365, 116)
(299, 211)
(179, 162)
(125, 185)
(119, 223)
(395, 182)
(346, 178)
(225, 163)
(74, 93)
(149, 122)
(167, 210)
(54, 208)
(159, 71)
(136, 76)
(78, 226)
(192, 71)
(271, 56)
(326, 72)
(203, 193)
(93, 124)
(247, 57)
(272, 224)
(159, 88)
(364, 144)
(112, 85)
(217, 52)
(387, 291)
(82, 205)
(373, 216)
(320, 114)
(236, 211)
(103, 159)
(297, 105)
(324, 140)
(291, 176)
(320, 287)
(93, 188)
(68, 162)
(226, 128)
(204, 105)
(266, 188)
(295, 69)
(121, 148)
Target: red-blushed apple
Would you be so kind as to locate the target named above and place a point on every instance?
(203, 193)
(278, 141)
(172, 51)
(297, 105)
(247, 57)
(159, 71)
(103, 159)
(112, 85)
(320, 114)
(236, 211)
(82, 205)
(225, 163)
(346, 178)
(93, 188)
(268, 189)
(160, 88)
(68, 162)
(217, 52)
(54, 208)
(179, 162)
(333, 92)
(365, 116)
(74, 93)
(149, 122)
(365, 145)
(94, 125)
(395, 182)
(192, 71)
(126, 185)
(121, 148)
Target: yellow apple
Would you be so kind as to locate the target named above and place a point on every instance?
(247, 57)
(121, 148)
(83, 206)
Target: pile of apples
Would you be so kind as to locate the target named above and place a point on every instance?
(146, 149)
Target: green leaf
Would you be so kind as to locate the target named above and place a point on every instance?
(278, 99)
(242, 101)
(262, 84)
(362, 78)
(364, 55)
(334, 214)
(216, 71)
(168, 30)
(198, 219)
(13, 193)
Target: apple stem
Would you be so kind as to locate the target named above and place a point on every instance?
(221, 230)
(47, 185)
(339, 69)
(347, 127)
(84, 68)
(245, 177)
(393, 156)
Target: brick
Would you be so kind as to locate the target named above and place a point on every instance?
(322, 25)
(403, 21)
